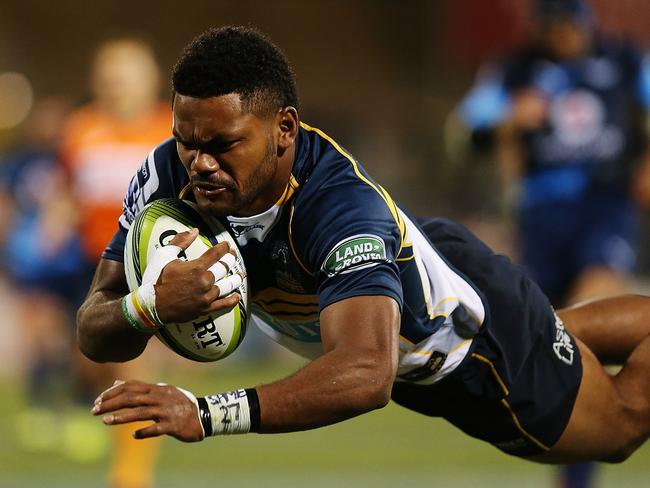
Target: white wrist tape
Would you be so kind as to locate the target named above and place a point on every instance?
(161, 258)
(139, 308)
(229, 413)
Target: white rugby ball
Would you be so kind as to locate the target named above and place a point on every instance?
(207, 338)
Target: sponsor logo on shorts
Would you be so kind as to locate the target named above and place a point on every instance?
(354, 253)
(562, 346)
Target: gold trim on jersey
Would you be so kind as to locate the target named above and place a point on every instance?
(378, 188)
(184, 191)
(289, 190)
(275, 294)
(428, 353)
(288, 193)
(288, 316)
(408, 258)
(507, 405)
(287, 306)
(454, 349)
(406, 249)
(392, 207)
(433, 314)
(293, 248)
(437, 306)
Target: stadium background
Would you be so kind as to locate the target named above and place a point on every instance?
(380, 76)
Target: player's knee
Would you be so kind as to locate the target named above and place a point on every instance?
(620, 454)
(632, 435)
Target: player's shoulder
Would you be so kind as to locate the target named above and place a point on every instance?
(333, 183)
(337, 199)
(161, 175)
(323, 166)
(165, 162)
(165, 153)
(163, 165)
(318, 156)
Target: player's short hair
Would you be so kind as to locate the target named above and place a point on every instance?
(575, 10)
(237, 60)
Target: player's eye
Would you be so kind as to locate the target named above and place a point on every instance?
(188, 146)
(225, 145)
(220, 147)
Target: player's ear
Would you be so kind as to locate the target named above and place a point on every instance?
(288, 124)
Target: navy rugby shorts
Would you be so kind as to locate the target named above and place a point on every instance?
(518, 383)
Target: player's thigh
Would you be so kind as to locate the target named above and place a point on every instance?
(598, 428)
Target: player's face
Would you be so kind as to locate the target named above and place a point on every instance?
(230, 155)
(565, 38)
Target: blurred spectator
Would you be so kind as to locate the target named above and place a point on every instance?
(42, 247)
(107, 138)
(104, 142)
(42, 258)
(566, 117)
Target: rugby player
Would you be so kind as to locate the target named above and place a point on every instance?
(385, 305)
(569, 139)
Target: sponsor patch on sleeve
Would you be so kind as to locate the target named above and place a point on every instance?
(353, 253)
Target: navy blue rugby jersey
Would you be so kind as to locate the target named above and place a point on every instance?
(595, 129)
(333, 234)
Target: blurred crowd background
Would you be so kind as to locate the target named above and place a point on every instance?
(85, 95)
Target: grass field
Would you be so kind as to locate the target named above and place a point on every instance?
(391, 447)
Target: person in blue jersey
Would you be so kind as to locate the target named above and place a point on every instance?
(384, 306)
(567, 114)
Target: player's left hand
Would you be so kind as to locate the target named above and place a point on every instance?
(172, 412)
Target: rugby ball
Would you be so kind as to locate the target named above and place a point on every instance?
(206, 338)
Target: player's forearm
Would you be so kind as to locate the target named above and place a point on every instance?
(355, 375)
(103, 333)
(326, 391)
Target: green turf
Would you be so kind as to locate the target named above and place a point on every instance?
(391, 447)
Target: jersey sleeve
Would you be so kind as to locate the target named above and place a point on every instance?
(161, 175)
(348, 236)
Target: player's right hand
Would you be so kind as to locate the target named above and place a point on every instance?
(171, 411)
(186, 290)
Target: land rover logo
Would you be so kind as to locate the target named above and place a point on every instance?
(355, 252)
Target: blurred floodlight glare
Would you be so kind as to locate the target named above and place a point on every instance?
(16, 99)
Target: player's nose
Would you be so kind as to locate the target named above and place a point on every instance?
(204, 162)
